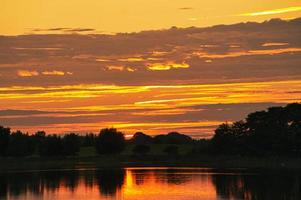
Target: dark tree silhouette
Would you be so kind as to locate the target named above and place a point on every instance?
(88, 140)
(275, 131)
(110, 141)
(51, 146)
(71, 144)
(38, 137)
(177, 138)
(20, 145)
(173, 138)
(140, 138)
(4, 140)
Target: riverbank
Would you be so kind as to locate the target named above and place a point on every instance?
(116, 161)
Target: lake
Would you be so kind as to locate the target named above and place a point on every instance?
(150, 183)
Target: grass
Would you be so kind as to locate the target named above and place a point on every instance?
(88, 158)
(158, 149)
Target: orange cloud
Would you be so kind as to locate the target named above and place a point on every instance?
(275, 44)
(120, 68)
(247, 53)
(272, 12)
(167, 66)
(134, 59)
(27, 73)
(55, 73)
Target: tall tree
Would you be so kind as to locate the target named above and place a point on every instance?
(110, 141)
(4, 140)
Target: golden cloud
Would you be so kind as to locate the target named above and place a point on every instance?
(271, 44)
(27, 73)
(134, 59)
(202, 54)
(272, 12)
(167, 66)
(120, 68)
(55, 73)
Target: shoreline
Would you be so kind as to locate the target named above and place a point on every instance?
(119, 161)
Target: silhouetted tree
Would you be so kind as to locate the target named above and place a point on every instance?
(88, 140)
(110, 141)
(223, 140)
(141, 138)
(71, 144)
(38, 137)
(51, 146)
(177, 138)
(20, 145)
(160, 139)
(4, 140)
(275, 131)
(172, 138)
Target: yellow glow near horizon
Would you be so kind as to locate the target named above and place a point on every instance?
(107, 16)
(273, 12)
(106, 102)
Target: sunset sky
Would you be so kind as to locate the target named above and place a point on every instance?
(152, 66)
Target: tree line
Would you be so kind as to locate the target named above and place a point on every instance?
(275, 131)
(108, 141)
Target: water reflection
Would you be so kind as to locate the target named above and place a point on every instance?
(150, 183)
(258, 186)
(110, 181)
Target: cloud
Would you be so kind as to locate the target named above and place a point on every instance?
(60, 29)
(158, 80)
(56, 73)
(273, 12)
(134, 59)
(186, 8)
(20, 112)
(120, 68)
(185, 120)
(79, 30)
(26, 73)
(50, 29)
(209, 53)
(249, 53)
(167, 66)
(271, 44)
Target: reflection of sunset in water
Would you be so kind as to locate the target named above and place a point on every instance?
(130, 183)
(149, 183)
(161, 184)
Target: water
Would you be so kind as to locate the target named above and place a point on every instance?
(150, 184)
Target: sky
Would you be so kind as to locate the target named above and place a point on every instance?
(156, 67)
(114, 16)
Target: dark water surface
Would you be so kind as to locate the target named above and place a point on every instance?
(150, 183)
